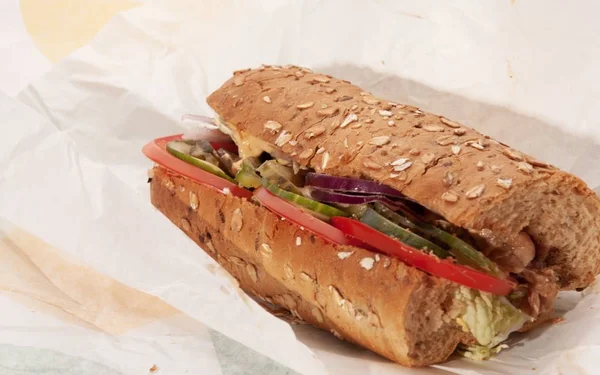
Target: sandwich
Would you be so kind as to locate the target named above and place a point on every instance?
(398, 230)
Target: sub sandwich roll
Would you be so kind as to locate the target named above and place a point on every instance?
(398, 230)
(390, 308)
(506, 199)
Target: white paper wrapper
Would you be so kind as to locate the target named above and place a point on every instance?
(62, 317)
(73, 174)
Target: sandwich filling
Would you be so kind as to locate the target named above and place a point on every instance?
(499, 289)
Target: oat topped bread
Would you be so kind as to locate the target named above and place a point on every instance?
(473, 181)
(399, 230)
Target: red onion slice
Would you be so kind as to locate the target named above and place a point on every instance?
(205, 129)
(350, 185)
(198, 118)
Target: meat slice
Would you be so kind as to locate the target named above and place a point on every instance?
(511, 255)
(543, 288)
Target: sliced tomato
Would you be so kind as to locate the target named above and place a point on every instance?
(438, 267)
(299, 217)
(157, 152)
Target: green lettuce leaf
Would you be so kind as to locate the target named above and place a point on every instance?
(489, 318)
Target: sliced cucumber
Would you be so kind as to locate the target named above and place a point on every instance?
(303, 202)
(377, 221)
(395, 217)
(247, 177)
(356, 210)
(281, 176)
(178, 149)
(462, 251)
(312, 213)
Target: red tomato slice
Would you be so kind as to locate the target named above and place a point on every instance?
(299, 217)
(428, 263)
(157, 152)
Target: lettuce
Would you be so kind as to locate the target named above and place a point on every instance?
(489, 318)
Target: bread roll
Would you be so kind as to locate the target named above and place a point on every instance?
(520, 208)
(471, 180)
(390, 308)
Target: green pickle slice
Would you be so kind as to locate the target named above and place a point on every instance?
(298, 200)
(181, 150)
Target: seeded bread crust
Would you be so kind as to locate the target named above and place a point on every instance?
(470, 179)
(394, 310)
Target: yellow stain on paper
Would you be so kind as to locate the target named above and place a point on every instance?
(46, 280)
(59, 27)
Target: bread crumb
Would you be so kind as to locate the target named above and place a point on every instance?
(432, 128)
(290, 302)
(252, 272)
(283, 138)
(450, 123)
(450, 196)
(337, 297)
(344, 254)
(337, 334)
(496, 169)
(525, 167)
(185, 224)
(306, 277)
(236, 220)
(169, 184)
(349, 119)
(317, 314)
(367, 263)
(475, 191)
(289, 272)
(380, 141)
(266, 250)
(273, 126)
(512, 154)
(325, 161)
(320, 79)
(427, 158)
(504, 183)
(154, 368)
(237, 261)
(193, 200)
(210, 246)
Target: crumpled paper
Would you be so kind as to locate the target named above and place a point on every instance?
(74, 175)
(60, 317)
